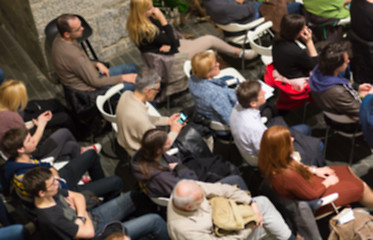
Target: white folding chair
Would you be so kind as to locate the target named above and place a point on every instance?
(102, 99)
(160, 201)
(254, 38)
(240, 39)
(236, 27)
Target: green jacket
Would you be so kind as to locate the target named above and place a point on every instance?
(327, 8)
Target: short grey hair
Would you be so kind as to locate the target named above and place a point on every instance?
(147, 78)
(188, 196)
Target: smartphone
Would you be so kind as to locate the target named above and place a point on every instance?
(182, 118)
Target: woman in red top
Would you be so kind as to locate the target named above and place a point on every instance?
(293, 180)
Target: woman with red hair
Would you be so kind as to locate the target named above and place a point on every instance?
(291, 179)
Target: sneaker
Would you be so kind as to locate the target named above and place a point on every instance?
(97, 147)
(248, 54)
(86, 179)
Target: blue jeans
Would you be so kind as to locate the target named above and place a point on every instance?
(119, 209)
(306, 130)
(303, 128)
(1, 76)
(291, 7)
(101, 186)
(234, 180)
(123, 69)
(13, 232)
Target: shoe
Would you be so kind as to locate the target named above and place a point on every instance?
(97, 147)
(86, 179)
(248, 54)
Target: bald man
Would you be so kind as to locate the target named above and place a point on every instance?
(189, 213)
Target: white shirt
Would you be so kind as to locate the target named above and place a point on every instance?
(247, 129)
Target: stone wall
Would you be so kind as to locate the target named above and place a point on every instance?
(17, 17)
(106, 17)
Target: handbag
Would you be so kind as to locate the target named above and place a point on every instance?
(230, 216)
(361, 227)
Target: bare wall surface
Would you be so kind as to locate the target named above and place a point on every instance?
(18, 19)
(107, 19)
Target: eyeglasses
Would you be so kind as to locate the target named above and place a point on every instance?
(216, 65)
(78, 29)
(53, 183)
(156, 89)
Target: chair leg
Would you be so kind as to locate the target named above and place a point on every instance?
(326, 140)
(352, 151)
(305, 111)
(243, 55)
(168, 103)
(243, 58)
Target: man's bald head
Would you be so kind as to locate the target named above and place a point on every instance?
(187, 195)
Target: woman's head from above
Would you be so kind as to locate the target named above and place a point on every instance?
(204, 65)
(154, 143)
(139, 26)
(291, 26)
(276, 148)
(141, 7)
(13, 96)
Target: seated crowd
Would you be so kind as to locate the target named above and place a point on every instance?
(198, 186)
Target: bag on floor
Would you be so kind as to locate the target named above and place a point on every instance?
(361, 227)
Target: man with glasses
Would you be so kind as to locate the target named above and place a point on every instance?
(75, 69)
(132, 113)
(62, 214)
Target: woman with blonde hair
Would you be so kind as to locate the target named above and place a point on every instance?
(291, 179)
(150, 31)
(212, 96)
(13, 99)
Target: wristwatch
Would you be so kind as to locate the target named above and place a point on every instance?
(82, 218)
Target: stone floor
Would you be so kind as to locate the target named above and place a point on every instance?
(18, 65)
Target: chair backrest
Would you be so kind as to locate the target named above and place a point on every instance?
(251, 159)
(102, 99)
(236, 27)
(218, 126)
(339, 118)
(51, 30)
(344, 21)
(254, 37)
(161, 201)
(187, 68)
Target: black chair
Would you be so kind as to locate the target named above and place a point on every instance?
(343, 125)
(51, 33)
(362, 59)
(82, 103)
